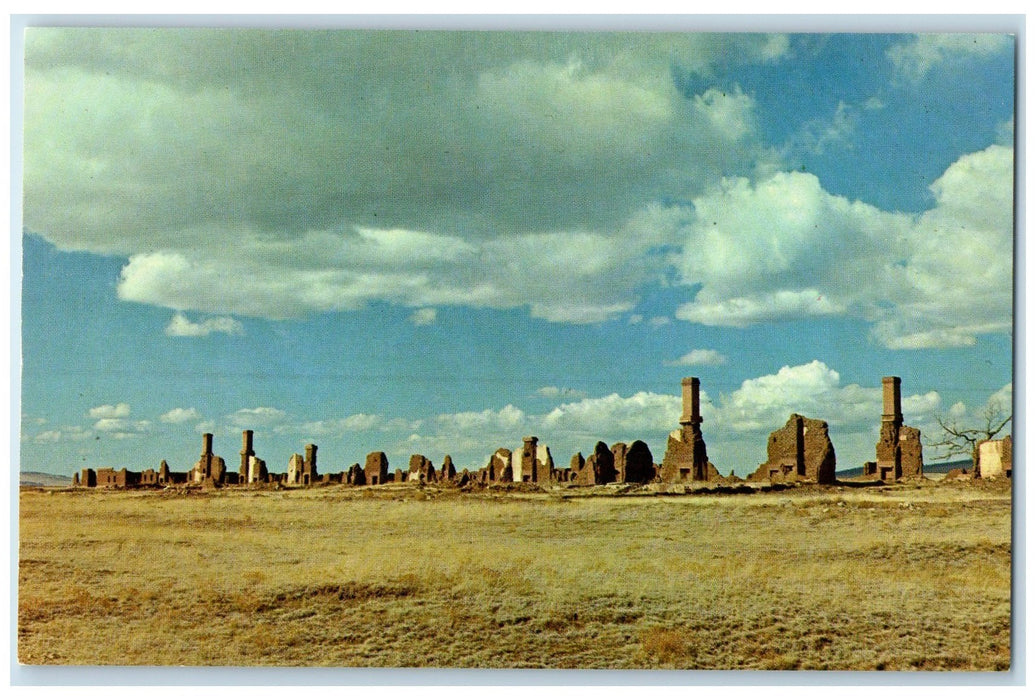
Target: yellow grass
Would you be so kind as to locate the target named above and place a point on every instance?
(900, 578)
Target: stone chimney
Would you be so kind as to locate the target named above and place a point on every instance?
(206, 444)
(246, 452)
(528, 463)
(691, 412)
(891, 411)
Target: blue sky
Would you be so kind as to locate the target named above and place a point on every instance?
(434, 243)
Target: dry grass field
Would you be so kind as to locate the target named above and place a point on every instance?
(903, 577)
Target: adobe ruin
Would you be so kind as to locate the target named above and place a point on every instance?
(686, 458)
(296, 467)
(448, 472)
(354, 476)
(210, 468)
(801, 450)
(533, 464)
(244, 472)
(421, 470)
(599, 467)
(995, 458)
(898, 450)
(635, 465)
(498, 469)
(375, 470)
(257, 473)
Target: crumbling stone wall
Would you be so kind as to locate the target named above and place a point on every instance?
(354, 476)
(309, 466)
(619, 450)
(449, 471)
(801, 450)
(569, 474)
(257, 472)
(686, 458)
(639, 464)
(108, 477)
(599, 467)
(376, 469)
(295, 466)
(209, 467)
(545, 470)
(246, 454)
(995, 458)
(898, 450)
(525, 466)
(911, 458)
(499, 467)
(421, 470)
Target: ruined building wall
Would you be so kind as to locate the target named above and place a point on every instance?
(619, 450)
(545, 464)
(599, 467)
(686, 458)
(802, 449)
(498, 469)
(448, 471)
(309, 465)
(898, 451)
(995, 458)
(209, 467)
(354, 476)
(257, 473)
(421, 470)
(911, 457)
(246, 454)
(633, 463)
(376, 468)
(523, 463)
(295, 465)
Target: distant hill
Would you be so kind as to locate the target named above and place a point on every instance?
(43, 479)
(940, 468)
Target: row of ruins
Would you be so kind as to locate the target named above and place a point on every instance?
(800, 451)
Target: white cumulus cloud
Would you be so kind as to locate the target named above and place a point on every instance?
(922, 53)
(180, 415)
(119, 410)
(67, 433)
(700, 357)
(643, 412)
(423, 317)
(783, 248)
(814, 390)
(516, 147)
(358, 422)
(260, 416)
(552, 392)
(181, 326)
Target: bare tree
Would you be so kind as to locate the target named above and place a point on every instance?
(963, 441)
